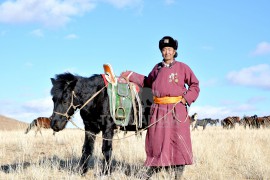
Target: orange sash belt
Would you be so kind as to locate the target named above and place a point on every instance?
(167, 100)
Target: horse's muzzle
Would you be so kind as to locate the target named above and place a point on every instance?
(58, 125)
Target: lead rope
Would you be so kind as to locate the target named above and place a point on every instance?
(112, 139)
(92, 97)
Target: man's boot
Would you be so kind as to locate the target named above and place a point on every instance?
(150, 171)
(178, 171)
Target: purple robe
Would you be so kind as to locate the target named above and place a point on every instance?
(168, 141)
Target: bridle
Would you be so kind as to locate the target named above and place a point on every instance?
(70, 106)
(75, 107)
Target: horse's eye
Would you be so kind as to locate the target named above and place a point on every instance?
(65, 103)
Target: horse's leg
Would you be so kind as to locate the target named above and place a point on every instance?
(228, 125)
(107, 135)
(37, 129)
(195, 126)
(40, 131)
(88, 146)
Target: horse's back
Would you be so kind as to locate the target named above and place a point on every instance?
(44, 122)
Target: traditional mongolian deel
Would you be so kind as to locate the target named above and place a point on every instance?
(168, 140)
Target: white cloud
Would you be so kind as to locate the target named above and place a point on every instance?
(169, 2)
(261, 49)
(125, 3)
(54, 13)
(213, 112)
(255, 76)
(210, 82)
(71, 36)
(33, 109)
(50, 12)
(221, 112)
(29, 110)
(245, 108)
(39, 105)
(37, 33)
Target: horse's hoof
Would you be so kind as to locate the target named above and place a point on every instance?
(101, 174)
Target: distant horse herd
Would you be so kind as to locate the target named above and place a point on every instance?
(227, 123)
(231, 121)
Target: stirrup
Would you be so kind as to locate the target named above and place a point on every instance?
(120, 113)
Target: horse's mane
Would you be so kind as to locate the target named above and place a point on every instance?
(193, 115)
(62, 82)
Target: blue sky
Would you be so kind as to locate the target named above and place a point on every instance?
(226, 43)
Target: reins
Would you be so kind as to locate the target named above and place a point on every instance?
(75, 107)
(139, 131)
(112, 139)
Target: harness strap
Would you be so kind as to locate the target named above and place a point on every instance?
(104, 79)
(92, 97)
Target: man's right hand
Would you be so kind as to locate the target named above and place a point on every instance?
(126, 74)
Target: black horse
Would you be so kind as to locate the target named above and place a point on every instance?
(70, 92)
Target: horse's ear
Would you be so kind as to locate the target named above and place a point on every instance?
(72, 84)
(53, 81)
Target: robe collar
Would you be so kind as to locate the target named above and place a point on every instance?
(163, 64)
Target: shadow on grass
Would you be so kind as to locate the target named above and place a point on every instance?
(52, 162)
(16, 167)
(71, 165)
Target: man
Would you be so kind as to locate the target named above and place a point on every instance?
(168, 142)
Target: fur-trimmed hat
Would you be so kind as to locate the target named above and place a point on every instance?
(168, 41)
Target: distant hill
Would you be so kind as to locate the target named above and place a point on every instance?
(8, 124)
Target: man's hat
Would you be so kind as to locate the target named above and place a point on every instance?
(168, 41)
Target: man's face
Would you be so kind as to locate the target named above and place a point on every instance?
(168, 53)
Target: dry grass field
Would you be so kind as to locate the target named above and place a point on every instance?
(218, 154)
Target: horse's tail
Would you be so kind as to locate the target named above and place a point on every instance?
(31, 125)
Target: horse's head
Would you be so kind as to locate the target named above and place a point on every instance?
(64, 99)
(195, 116)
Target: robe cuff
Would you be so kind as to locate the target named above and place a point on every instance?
(137, 78)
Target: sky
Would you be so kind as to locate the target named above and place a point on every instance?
(226, 43)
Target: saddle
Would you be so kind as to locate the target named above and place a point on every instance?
(123, 97)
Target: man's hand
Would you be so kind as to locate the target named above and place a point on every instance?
(183, 101)
(125, 74)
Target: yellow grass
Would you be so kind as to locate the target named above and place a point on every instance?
(218, 154)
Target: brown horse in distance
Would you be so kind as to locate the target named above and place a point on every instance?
(230, 122)
(40, 122)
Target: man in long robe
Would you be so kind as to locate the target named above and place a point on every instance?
(174, 87)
